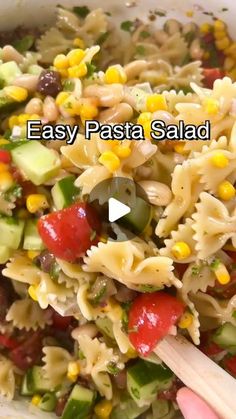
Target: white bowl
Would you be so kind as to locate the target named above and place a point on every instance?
(41, 12)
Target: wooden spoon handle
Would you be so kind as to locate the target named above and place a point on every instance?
(200, 373)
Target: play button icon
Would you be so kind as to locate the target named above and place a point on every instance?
(117, 210)
(123, 207)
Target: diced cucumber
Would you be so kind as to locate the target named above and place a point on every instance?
(48, 402)
(64, 192)
(145, 379)
(160, 409)
(32, 239)
(38, 162)
(79, 403)
(9, 71)
(128, 410)
(26, 387)
(139, 217)
(37, 381)
(11, 231)
(225, 337)
(5, 254)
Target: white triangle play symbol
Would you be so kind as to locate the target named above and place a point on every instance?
(116, 209)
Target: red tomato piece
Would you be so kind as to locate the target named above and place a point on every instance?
(230, 364)
(150, 319)
(28, 352)
(5, 156)
(60, 322)
(232, 255)
(210, 75)
(211, 349)
(8, 342)
(68, 233)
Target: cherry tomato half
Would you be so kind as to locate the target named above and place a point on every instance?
(27, 353)
(5, 156)
(8, 342)
(150, 319)
(210, 75)
(68, 233)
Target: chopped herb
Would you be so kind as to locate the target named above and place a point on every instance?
(54, 271)
(208, 13)
(90, 69)
(186, 59)
(81, 355)
(127, 26)
(68, 105)
(135, 392)
(15, 191)
(103, 37)
(108, 13)
(81, 11)
(69, 85)
(2, 83)
(214, 264)
(125, 316)
(24, 44)
(195, 270)
(140, 50)
(189, 37)
(112, 368)
(144, 34)
(234, 314)
(186, 89)
(12, 145)
(160, 13)
(11, 221)
(149, 288)
(224, 9)
(93, 235)
(7, 134)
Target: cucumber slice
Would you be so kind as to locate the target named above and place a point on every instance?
(38, 163)
(105, 326)
(11, 232)
(9, 71)
(128, 410)
(64, 192)
(160, 409)
(37, 382)
(5, 254)
(32, 239)
(139, 217)
(145, 379)
(26, 387)
(225, 337)
(79, 403)
(48, 402)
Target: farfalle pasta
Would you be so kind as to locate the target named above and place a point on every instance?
(85, 293)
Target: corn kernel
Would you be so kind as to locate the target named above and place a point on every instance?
(229, 63)
(231, 50)
(115, 74)
(61, 98)
(19, 94)
(88, 111)
(144, 117)
(222, 274)
(186, 320)
(232, 74)
(75, 57)
(211, 106)
(63, 73)
(35, 202)
(36, 400)
(3, 167)
(189, 13)
(78, 42)
(122, 151)
(219, 25)
(73, 371)
(23, 118)
(78, 71)
(218, 35)
(156, 102)
(103, 409)
(222, 44)
(205, 28)
(226, 190)
(113, 309)
(181, 250)
(131, 353)
(220, 160)
(110, 161)
(179, 148)
(147, 129)
(32, 291)
(6, 181)
(72, 106)
(61, 62)
(12, 121)
(32, 254)
(103, 239)
(3, 141)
